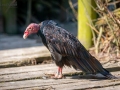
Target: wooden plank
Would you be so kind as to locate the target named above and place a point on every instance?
(33, 75)
(33, 83)
(85, 85)
(61, 84)
(30, 72)
(26, 69)
(23, 51)
(112, 87)
(20, 78)
(15, 51)
(38, 74)
(22, 69)
(24, 56)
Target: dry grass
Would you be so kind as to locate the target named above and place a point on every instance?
(107, 29)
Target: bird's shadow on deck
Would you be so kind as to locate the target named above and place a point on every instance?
(88, 77)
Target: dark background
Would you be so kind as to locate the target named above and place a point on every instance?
(15, 15)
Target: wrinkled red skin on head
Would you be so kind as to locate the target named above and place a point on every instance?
(32, 28)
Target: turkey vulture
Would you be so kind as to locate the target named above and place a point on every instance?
(66, 49)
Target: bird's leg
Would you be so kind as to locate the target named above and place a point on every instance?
(59, 73)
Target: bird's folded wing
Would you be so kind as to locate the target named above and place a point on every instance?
(59, 39)
(66, 44)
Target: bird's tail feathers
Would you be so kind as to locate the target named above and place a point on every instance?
(108, 75)
(92, 66)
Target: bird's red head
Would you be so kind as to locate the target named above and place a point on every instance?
(32, 28)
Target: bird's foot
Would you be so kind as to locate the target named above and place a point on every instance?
(57, 76)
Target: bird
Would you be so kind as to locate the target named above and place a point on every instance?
(66, 49)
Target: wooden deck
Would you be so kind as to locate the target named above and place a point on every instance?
(37, 77)
(18, 73)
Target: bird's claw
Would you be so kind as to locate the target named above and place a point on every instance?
(56, 76)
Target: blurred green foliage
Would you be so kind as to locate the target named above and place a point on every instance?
(27, 11)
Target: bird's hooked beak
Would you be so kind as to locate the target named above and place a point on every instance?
(24, 36)
(26, 33)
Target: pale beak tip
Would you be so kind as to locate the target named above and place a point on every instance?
(24, 36)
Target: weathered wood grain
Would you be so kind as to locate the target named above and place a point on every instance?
(26, 78)
(15, 51)
(31, 73)
(61, 84)
(23, 56)
(112, 87)
(5, 71)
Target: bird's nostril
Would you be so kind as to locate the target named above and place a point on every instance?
(25, 32)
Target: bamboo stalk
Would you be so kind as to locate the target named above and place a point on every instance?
(85, 15)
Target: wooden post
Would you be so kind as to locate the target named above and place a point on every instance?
(9, 14)
(85, 15)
